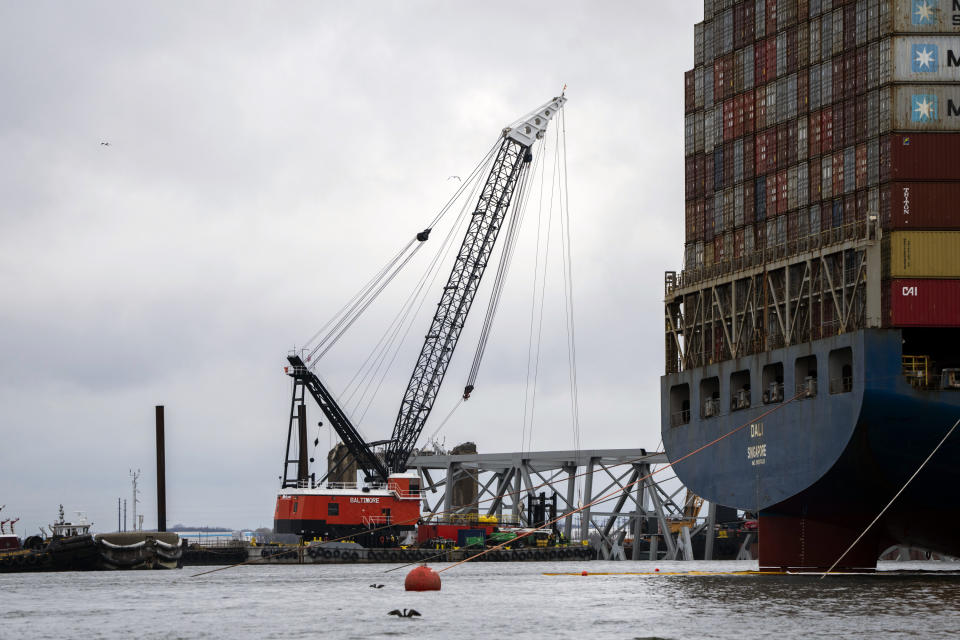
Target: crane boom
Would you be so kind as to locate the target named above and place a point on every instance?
(511, 163)
(307, 379)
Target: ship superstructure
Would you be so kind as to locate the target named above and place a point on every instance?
(820, 295)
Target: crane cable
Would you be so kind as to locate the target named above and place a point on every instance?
(568, 288)
(348, 314)
(531, 394)
(503, 268)
(407, 315)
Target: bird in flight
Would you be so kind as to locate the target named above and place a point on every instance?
(406, 613)
(455, 178)
(376, 586)
(104, 144)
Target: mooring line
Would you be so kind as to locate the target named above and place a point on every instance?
(625, 487)
(884, 510)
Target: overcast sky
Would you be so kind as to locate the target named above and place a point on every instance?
(264, 160)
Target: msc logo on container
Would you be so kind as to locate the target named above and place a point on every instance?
(924, 107)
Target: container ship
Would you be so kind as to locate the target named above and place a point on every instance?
(817, 314)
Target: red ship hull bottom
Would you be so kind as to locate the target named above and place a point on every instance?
(799, 543)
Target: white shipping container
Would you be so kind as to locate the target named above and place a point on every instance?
(932, 16)
(726, 27)
(802, 142)
(698, 87)
(738, 160)
(738, 205)
(814, 219)
(698, 44)
(837, 31)
(792, 188)
(826, 83)
(925, 58)
(862, 21)
(814, 84)
(873, 162)
(709, 51)
(849, 169)
(885, 67)
(708, 130)
(883, 110)
(826, 36)
(883, 18)
(760, 18)
(748, 68)
(814, 41)
(698, 133)
(708, 86)
(873, 66)
(925, 108)
(803, 184)
(781, 53)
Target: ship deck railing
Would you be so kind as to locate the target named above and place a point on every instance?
(680, 417)
(356, 486)
(859, 230)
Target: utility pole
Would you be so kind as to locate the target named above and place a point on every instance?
(124, 514)
(135, 475)
(118, 515)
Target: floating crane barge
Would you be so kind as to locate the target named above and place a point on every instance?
(387, 507)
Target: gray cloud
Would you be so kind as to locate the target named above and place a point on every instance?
(264, 161)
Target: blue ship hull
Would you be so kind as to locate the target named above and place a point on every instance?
(819, 468)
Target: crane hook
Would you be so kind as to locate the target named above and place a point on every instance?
(423, 235)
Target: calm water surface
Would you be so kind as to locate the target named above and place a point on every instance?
(489, 600)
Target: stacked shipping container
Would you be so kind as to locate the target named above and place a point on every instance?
(808, 116)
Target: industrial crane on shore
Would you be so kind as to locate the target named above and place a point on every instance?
(307, 507)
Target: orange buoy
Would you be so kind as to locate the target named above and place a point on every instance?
(422, 578)
(583, 573)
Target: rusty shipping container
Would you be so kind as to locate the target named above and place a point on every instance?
(924, 303)
(923, 254)
(922, 205)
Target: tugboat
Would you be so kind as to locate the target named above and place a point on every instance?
(70, 547)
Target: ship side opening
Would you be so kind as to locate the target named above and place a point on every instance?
(679, 404)
(773, 383)
(710, 397)
(931, 357)
(740, 390)
(841, 370)
(805, 376)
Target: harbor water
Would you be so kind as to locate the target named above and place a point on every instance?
(483, 600)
